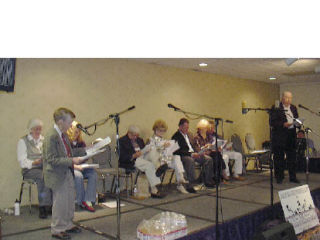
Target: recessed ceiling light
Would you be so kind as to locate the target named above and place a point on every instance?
(272, 78)
(203, 64)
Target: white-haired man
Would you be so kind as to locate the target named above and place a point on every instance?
(132, 157)
(29, 152)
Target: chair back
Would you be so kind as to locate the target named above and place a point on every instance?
(237, 143)
(251, 145)
(104, 158)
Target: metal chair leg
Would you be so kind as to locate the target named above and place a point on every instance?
(30, 201)
(21, 191)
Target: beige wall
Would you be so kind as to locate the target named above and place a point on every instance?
(94, 88)
(308, 96)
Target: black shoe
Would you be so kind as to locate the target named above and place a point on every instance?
(161, 170)
(157, 195)
(209, 185)
(42, 212)
(279, 181)
(75, 229)
(62, 235)
(294, 180)
(191, 190)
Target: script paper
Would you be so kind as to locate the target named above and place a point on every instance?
(298, 208)
(87, 165)
(174, 146)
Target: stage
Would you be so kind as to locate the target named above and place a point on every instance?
(239, 199)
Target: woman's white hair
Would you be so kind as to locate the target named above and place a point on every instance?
(35, 122)
(133, 129)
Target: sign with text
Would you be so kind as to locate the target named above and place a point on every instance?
(298, 208)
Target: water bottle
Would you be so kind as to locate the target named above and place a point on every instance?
(16, 208)
(135, 191)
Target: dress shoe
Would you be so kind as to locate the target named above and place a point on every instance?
(239, 178)
(181, 189)
(75, 229)
(161, 170)
(42, 212)
(191, 190)
(87, 206)
(279, 181)
(209, 185)
(294, 180)
(157, 195)
(62, 235)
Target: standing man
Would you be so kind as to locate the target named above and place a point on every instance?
(58, 161)
(284, 138)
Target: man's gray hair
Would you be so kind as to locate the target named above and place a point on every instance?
(133, 129)
(35, 122)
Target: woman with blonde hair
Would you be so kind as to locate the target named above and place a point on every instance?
(159, 156)
(85, 197)
(204, 141)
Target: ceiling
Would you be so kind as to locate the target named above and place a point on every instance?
(260, 69)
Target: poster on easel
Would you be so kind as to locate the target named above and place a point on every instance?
(298, 208)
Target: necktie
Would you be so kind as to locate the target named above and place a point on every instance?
(63, 136)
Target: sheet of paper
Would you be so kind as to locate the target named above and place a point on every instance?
(88, 165)
(98, 145)
(174, 146)
(112, 204)
(86, 157)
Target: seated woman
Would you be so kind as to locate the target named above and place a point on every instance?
(29, 152)
(159, 157)
(204, 141)
(85, 197)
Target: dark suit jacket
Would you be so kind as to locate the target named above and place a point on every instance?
(127, 150)
(56, 163)
(282, 136)
(184, 149)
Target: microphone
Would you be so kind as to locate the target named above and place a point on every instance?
(132, 107)
(308, 130)
(82, 128)
(300, 106)
(229, 121)
(244, 109)
(171, 106)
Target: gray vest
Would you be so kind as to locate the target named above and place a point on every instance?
(33, 153)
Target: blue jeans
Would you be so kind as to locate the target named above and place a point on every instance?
(83, 194)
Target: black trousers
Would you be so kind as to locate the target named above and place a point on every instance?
(289, 149)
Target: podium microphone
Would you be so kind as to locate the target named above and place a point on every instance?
(79, 126)
(171, 106)
(244, 109)
(130, 108)
(300, 106)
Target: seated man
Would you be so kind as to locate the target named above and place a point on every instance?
(132, 157)
(29, 152)
(189, 156)
(228, 154)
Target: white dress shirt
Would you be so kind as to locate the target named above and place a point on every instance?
(289, 115)
(188, 142)
(22, 151)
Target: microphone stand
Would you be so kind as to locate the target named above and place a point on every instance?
(217, 165)
(116, 119)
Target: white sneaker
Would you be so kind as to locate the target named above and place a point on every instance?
(182, 189)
